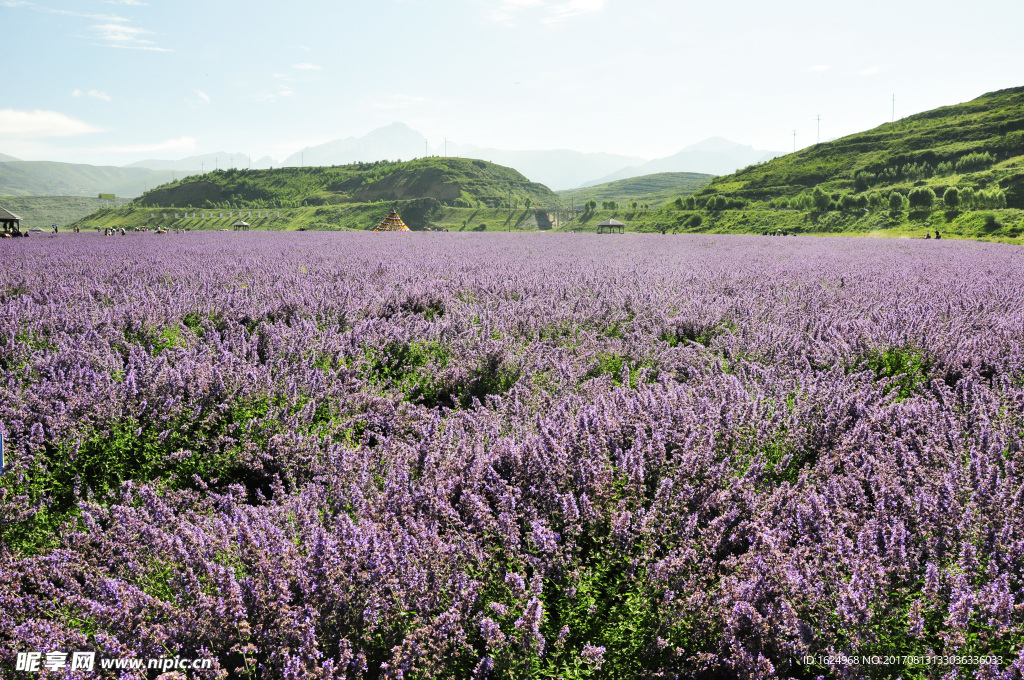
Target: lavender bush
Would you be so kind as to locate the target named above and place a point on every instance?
(489, 456)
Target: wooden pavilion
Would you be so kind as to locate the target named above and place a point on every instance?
(241, 226)
(10, 224)
(611, 226)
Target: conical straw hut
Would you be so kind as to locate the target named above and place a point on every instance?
(392, 223)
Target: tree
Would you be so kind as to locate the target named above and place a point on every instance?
(921, 198)
(967, 198)
(951, 198)
(822, 201)
(716, 203)
(896, 200)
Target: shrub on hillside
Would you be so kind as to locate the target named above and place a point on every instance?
(973, 162)
(921, 198)
(951, 198)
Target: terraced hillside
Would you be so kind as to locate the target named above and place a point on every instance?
(978, 145)
(456, 182)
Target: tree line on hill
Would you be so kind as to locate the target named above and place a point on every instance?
(896, 201)
(972, 162)
(591, 206)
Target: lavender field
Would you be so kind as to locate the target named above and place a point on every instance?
(494, 456)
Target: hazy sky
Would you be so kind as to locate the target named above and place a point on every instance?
(114, 81)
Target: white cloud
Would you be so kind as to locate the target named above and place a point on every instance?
(133, 3)
(552, 11)
(203, 97)
(96, 94)
(573, 8)
(41, 124)
(180, 144)
(284, 89)
(869, 71)
(125, 37)
(283, 92)
(817, 69)
(307, 67)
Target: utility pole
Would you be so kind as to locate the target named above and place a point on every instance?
(303, 159)
(819, 129)
(893, 122)
(510, 211)
(794, 141)
(232, 160)
(202, 168)
(446, 147)
(426, 148)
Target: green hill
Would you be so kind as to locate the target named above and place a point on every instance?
(42, 211)
(978, 145)
(47, 178)
(653, 190)
(957, 169)
(455, 182)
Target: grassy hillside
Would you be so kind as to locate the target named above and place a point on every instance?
(977, 145)
(653, 190)
(958, 169)
(46, 178)
(42, 211)
(1006, 225)
(419, 214)
(455, 182)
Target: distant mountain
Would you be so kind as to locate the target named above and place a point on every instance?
(4, 158)
(559, 168)
(653, 190)
(391, 143)
(46, 178)
(714, 156)
(205, 163)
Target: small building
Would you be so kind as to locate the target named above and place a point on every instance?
(611, 226)
(10, 223)
(241, 226)
(392, 223)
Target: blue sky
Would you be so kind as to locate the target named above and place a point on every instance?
(114, 81)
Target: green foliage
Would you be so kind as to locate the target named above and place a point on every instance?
(965, 138)
(951, 198)
(455, 181)
(822, 201)
(903, 369)
(898, 202)
(921, 198)
(975, 161)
